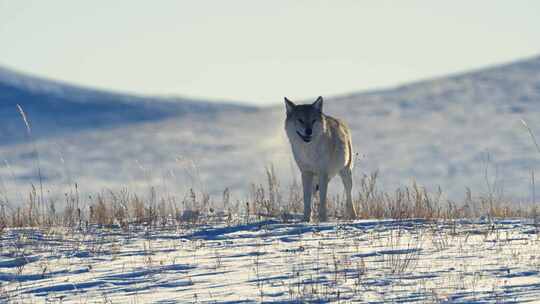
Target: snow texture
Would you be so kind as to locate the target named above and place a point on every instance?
(375, 261)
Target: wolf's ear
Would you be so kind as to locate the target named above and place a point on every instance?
(318, 104)
(289, 105)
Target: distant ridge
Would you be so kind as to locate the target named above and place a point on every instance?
(54, 106)
(529, 65)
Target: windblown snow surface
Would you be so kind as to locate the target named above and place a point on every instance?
(454, 132)
(369, 261)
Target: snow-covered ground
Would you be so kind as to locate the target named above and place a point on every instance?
(376, 261)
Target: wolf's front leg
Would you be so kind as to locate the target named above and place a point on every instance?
(323, 186)
(307, 185)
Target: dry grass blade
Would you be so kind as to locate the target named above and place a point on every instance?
(531, 134)
(37, 159)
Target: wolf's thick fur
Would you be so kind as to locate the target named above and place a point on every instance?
(322, 148)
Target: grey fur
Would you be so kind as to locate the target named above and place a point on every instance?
(322, 148)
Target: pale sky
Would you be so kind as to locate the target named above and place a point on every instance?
(259, 51)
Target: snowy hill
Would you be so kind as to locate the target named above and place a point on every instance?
(55, 107)
(455, 132)
(448, 131)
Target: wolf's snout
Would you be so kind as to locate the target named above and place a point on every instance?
(309, 131)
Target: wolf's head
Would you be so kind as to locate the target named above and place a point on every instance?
(304, 121)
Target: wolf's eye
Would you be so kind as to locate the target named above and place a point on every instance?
(300, 120)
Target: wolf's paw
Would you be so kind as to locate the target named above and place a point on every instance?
(323, 219)
(350, 215)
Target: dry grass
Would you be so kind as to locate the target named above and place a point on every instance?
(416, 202)
(123, 208)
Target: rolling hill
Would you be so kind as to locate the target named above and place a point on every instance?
(454, 132)
(58, 107)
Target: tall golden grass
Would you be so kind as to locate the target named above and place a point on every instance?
(270, 200)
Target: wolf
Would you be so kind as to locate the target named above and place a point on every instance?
(322, 148)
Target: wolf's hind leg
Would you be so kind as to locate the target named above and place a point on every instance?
(346, 177)
(307, 185)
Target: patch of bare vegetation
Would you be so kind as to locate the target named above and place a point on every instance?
(271, 200)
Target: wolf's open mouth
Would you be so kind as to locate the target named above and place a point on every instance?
(304, 138)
